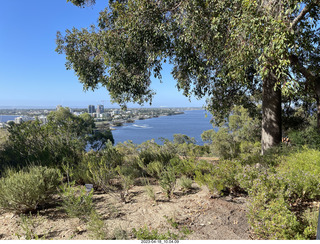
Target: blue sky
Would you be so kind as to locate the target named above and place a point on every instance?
(33, 74)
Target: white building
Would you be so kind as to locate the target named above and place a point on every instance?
(18, 120)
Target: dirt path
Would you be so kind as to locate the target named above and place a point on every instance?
(208, 218)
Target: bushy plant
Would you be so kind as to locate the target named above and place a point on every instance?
(27, 189)
(167, 181)
(278, 195)
(102, 165)
(76, 201)
(220, 178)
(240, 128)
(223, 144)
(119, 234)
(146, 234)
(184, 166)
(301, 173)
(247, 174)
(149, 190)
(63, 137)
(154, 169)
(151, 152)
(310, 223)
(273, 219)
(29, 224)
(126, 174)
(96, 227)
(185, 183)
(308, 136)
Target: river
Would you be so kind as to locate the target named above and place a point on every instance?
(192, 123)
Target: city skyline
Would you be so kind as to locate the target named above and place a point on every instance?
(34, 75)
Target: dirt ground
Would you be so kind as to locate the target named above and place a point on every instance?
(208, 217)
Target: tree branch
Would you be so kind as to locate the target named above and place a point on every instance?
(303, 70)
(304, 11)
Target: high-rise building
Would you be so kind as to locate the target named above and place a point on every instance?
(100, 109)
(91, 109)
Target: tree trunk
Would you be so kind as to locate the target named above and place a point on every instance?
(271, 114)
(318, 112)
(317, 96)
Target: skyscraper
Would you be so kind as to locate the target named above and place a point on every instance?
(91, 109)
(100, 109)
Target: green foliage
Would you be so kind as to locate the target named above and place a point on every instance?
(167, 181)
(278, 195)
(27, 189)
(28, 225)
(239, 135)
(81, 3)
(247, 174)
(310, 223)
(154, 169)
(146, 234)
(127, 174)
(171, 221)
(151, 152)
(76, 201)
(150, 192)
(183, 166)
(62, 139)
(185, 183)
(181, 139)
(99, 139)
(305, 137)
(102, 165)
(120, 234)
(273, 219)
(300, 171)
(220, 178)
(96, 227)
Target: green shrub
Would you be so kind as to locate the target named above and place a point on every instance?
(76, 201)
(119, 234)
(27, 189)
(29, 224)
(247, 174)
(167, 181)
(221, 176)
(301, 173)
(154, 169)
(184, 166)
(278, 196)
(100, 172)
(306, 137)
(273, 219)
(185, 183)
(151, 152)
(149, 190)
(96, 227)
(126, 174)
(310, 223)
(146, 234)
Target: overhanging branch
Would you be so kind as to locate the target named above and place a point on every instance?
(304, 11)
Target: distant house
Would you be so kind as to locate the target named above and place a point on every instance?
(18, 120)
(43, 119)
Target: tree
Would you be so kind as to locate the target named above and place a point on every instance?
(239, 135)
(234, 52)
(63, 139)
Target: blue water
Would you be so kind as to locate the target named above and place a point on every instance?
(5, 118)
(191, 123)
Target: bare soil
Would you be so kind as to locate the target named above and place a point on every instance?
(208, 217)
